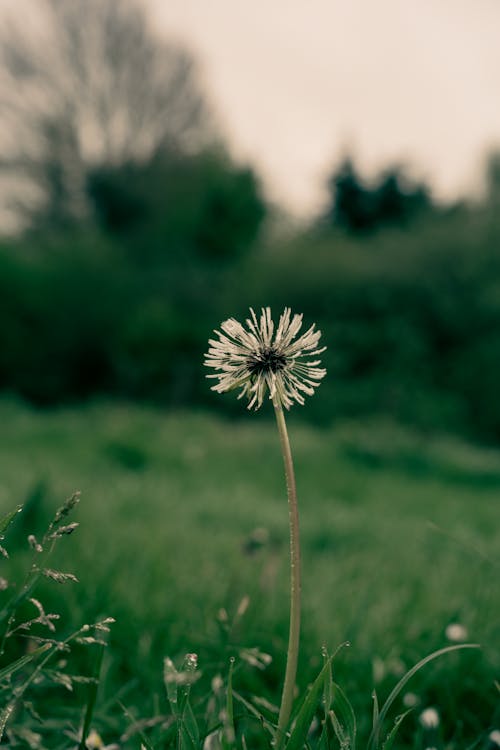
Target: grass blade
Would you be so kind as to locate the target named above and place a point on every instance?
(228, 733)
(189, 734)
(253, 711)
(389, 740)
(327, 702)
(306, 712)
(145, 742)
(376, 710)
(7, 519)
(91, 699)
(170, 679)
(342, 716)
(48, 649)
(22, 661)
(374, 736)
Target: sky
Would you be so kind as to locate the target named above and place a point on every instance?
(298, 84)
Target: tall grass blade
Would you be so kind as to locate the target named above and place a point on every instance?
(229, 733)
(376, 709)
(339, 731)
(22, 661)
(256, 714)
(91, 698)
(373, 741)
(7, 519)
(178, 686)
(189, 735)
(305, 715)
(327, 702)
(48, 649)
(145, 742)
(170, 679)
(342, 716)
(389, 740)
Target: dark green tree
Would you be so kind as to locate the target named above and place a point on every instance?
(176, 205)
(358, 207)
(351, 204)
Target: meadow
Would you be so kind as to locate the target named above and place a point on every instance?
(183, 539)
(118, 264)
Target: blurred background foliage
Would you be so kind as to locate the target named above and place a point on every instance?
(137, 233)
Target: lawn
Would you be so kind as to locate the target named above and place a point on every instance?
(183, 539)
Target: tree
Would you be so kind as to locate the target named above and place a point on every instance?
(200, 206)
(88, 85)
(361, 208)
(351, 205)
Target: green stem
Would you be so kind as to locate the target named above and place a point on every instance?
(294, 633)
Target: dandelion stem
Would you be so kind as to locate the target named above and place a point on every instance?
(294, 633)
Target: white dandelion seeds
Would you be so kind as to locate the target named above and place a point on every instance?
(494, 737)
(257, 359)
(456, 632)
(429, 718)
(410, 700)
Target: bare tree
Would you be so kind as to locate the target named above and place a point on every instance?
(83, 83)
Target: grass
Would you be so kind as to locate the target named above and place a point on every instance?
(184, 514)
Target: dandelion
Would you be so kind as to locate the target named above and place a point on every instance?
(410, 700)
(94, 742)
(456, 632)
(429, 718)
(494, 737)
(259, 360)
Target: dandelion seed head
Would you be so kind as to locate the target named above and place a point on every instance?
(429, 718)
(410, 700)
(494, 737)
(268, 359)
(456, 632)
(263, 358)
(94, 740)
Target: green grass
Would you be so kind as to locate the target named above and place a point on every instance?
(399, 533)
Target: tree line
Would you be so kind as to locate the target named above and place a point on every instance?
(136, 233)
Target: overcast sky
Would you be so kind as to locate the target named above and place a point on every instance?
(298, 83)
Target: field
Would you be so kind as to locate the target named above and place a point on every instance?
(183, 516)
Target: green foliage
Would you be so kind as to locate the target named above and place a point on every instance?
(177, 208)
(34, 655)
(360, 208)
(303, 720)
(125, 311)
(398, 529)
(411, 319)
(59, 314)
(374, 739)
